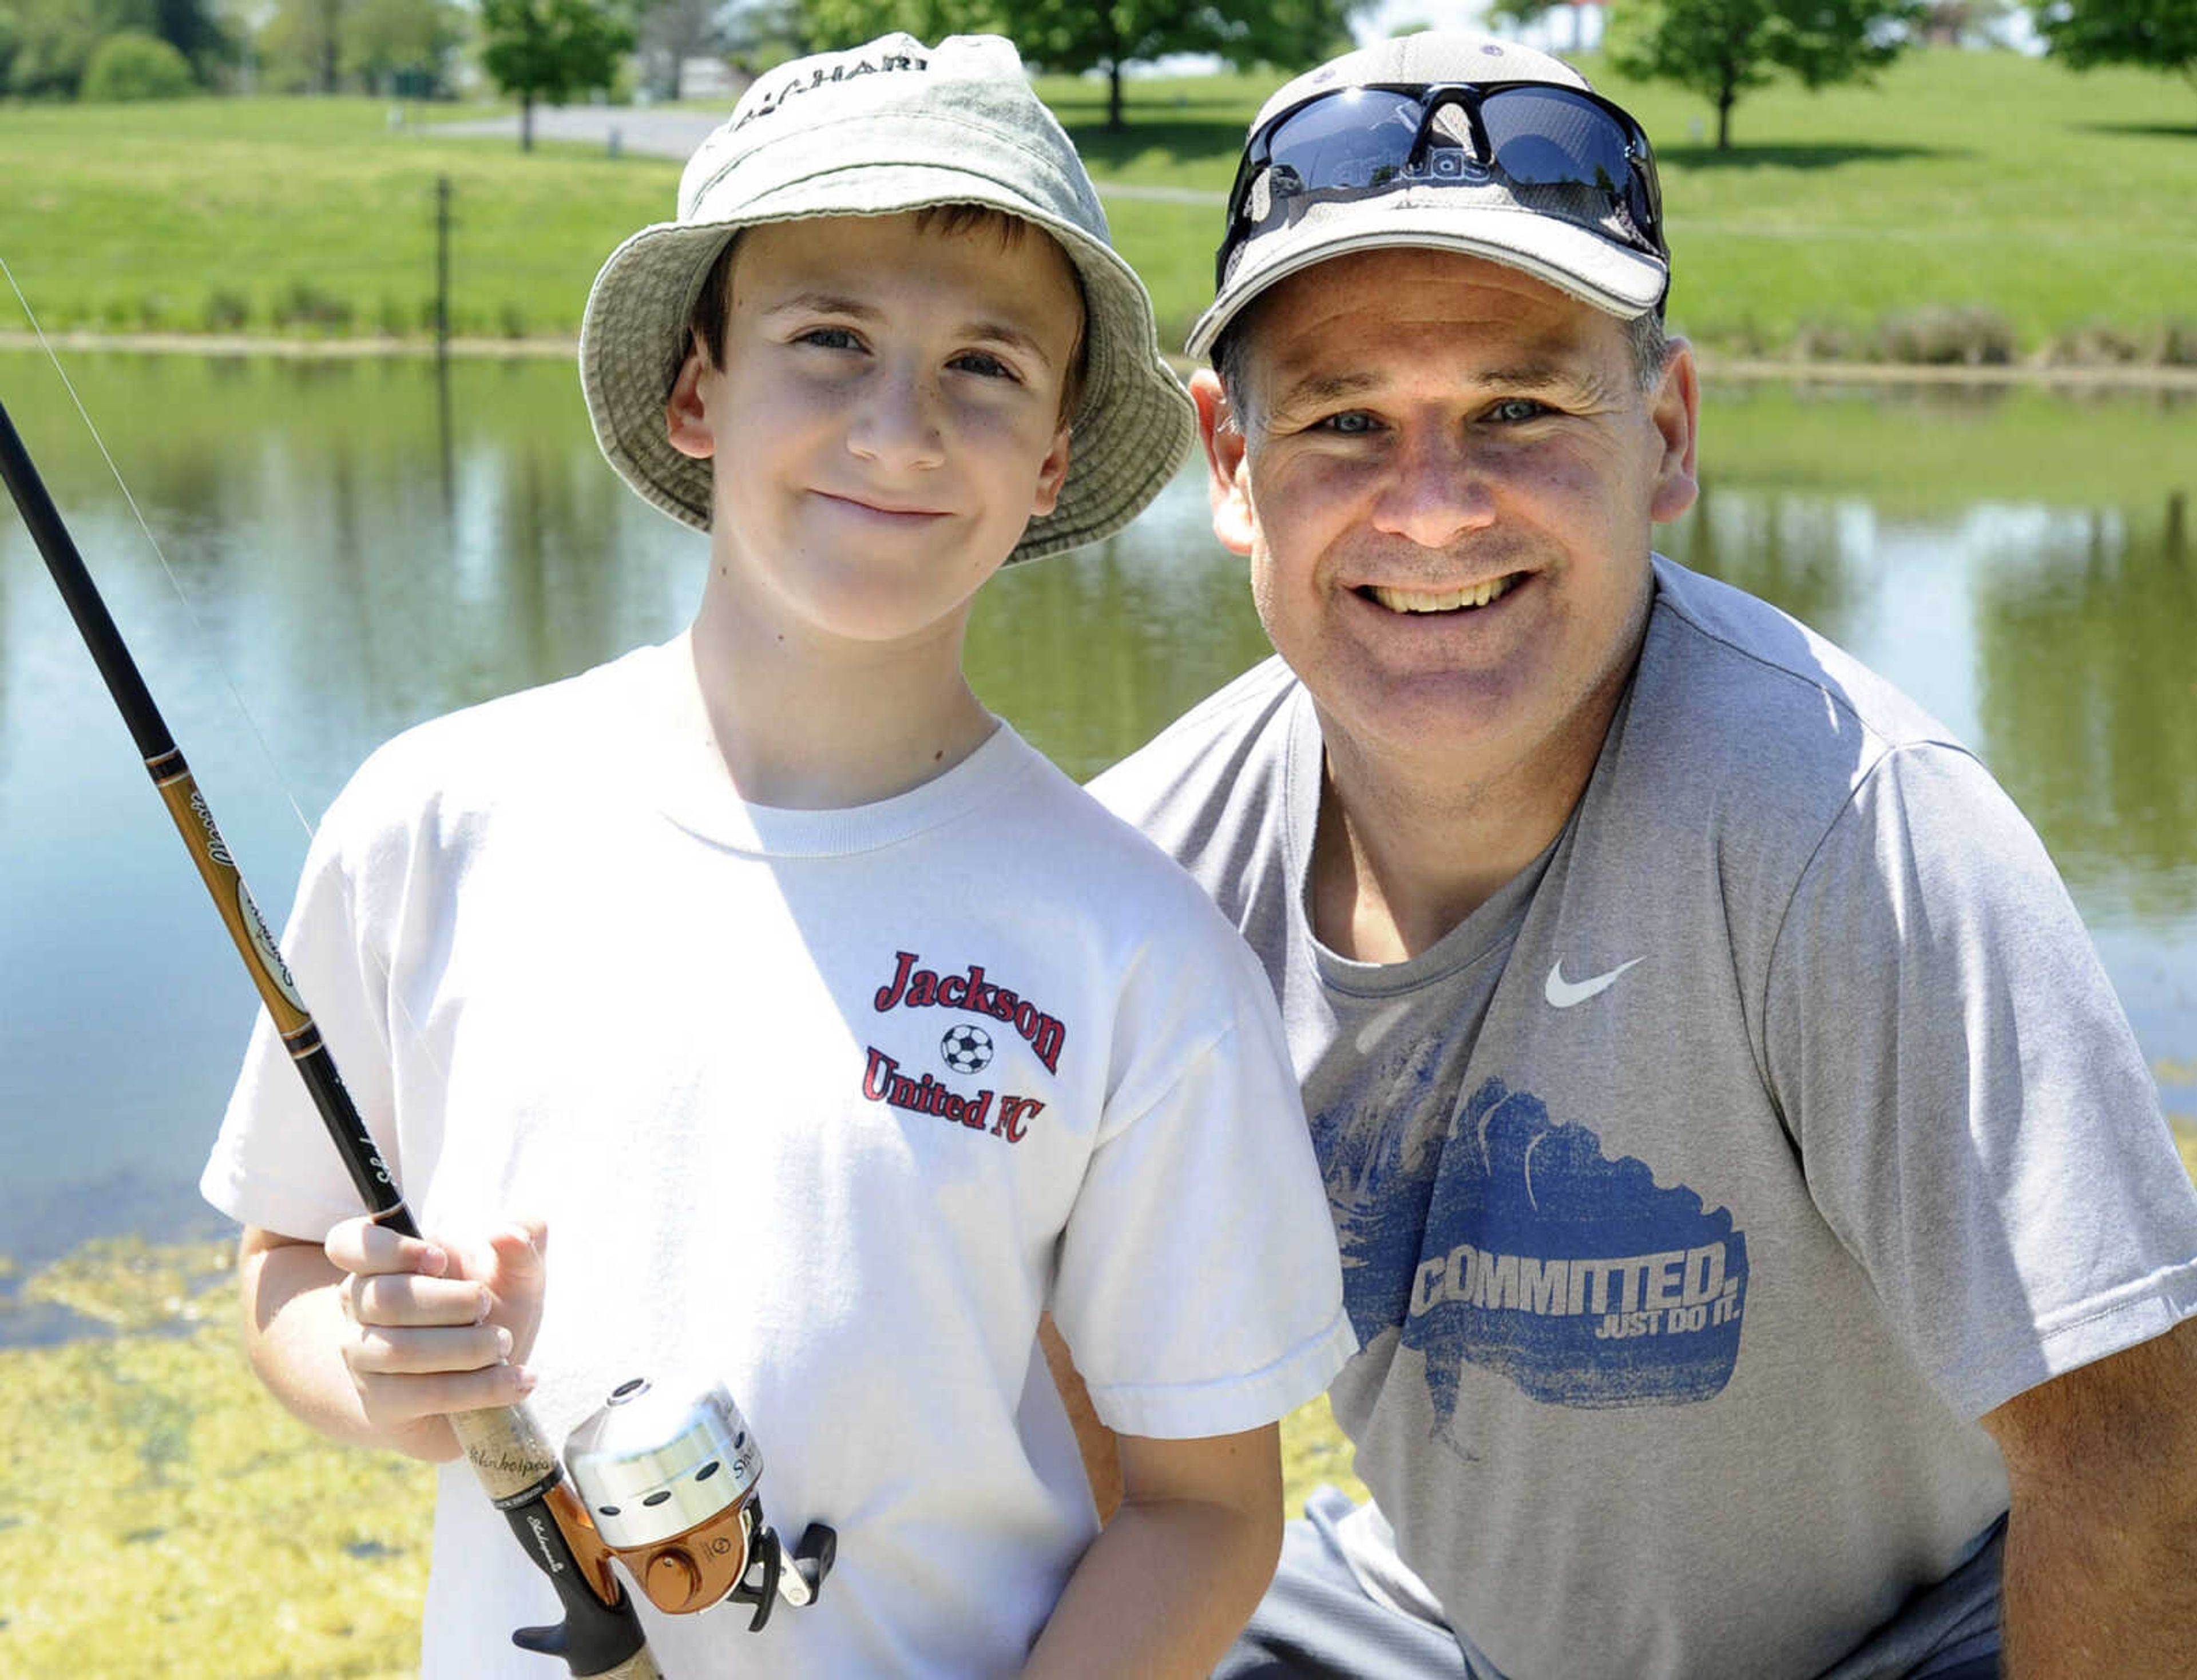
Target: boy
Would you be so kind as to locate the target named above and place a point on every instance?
(835, 1034)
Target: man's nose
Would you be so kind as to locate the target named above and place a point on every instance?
(1434, 490)
(897, 424)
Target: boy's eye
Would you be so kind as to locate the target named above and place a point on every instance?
(830, 338)
(984, 364)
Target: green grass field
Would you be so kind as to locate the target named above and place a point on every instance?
(1962, 179)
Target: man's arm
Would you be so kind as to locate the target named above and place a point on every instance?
(1170, 1581)
(2101, 1546)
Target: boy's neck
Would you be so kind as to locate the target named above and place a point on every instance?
(808, 726)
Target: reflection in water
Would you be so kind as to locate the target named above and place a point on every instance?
(365, 544)
(2087, 657)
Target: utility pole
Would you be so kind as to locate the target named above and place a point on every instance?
(442, 267)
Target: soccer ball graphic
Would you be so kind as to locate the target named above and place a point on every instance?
(966, 1049)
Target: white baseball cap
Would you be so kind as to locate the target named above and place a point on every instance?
(1592, 247)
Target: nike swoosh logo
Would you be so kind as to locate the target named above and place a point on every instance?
(1562, 993)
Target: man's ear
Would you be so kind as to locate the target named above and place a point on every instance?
(686, 411)
(1676, 412)
(1051, 474)
(1227, 476)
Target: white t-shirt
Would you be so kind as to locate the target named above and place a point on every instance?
(826, 1105)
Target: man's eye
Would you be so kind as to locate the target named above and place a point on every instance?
(830, 338)
(1512, 410)
(1350, 423)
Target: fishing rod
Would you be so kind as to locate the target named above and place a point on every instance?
(647, 1461)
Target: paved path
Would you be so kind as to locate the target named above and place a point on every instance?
(674, 134)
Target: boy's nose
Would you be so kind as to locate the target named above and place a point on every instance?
(897, 425)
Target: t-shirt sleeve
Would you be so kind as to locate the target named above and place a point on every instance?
(1198, 1285)
(1972, 1113)
(273, 1164)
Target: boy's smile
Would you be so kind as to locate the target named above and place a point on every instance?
(885, 422)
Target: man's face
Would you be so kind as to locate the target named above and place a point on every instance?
(1445, 482)
(886, 421)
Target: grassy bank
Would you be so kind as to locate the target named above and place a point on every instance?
(1989, 184)
(161, 1519)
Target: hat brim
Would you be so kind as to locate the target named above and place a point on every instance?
(1585, 265)
(1131, 430)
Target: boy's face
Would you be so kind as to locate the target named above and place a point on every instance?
(886, 421)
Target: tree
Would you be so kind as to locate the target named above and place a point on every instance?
(1075, 36)
(400, 46)
(192, 29)
(2157, 34)
(50, 43)
(671, 32)
(1721, 48)
(303, 44)
(549, 49)
(131, 64)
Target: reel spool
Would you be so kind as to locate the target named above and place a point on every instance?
(668, 1480)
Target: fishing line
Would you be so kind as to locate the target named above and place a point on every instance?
(212, 650)
(198, 624)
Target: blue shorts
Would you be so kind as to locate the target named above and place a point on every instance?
(1316, 1623)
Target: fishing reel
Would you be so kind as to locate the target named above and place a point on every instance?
(668, 1479)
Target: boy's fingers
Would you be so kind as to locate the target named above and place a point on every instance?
(392, 1400)
(363, 1248)
(405, 1299)
(392, 1352)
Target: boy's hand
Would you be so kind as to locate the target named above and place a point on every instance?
(433, 1326)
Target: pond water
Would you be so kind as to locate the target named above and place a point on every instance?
(351, 546)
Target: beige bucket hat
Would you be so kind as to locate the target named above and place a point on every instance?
(889, 126)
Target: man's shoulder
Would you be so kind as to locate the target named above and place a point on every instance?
(1205, 758)
(1754, 669)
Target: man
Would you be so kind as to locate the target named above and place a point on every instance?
(1748, 1184)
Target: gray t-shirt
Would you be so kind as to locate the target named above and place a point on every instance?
(1699, 1191)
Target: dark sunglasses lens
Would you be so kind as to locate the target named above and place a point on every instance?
(1361, 138)
(1545, 138)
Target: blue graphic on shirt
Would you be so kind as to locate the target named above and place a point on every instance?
(1512, 1242)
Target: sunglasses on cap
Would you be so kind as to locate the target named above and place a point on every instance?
(1561, 150)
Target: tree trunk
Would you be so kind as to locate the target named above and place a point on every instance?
(1725, 96)
(526, 119)
(1114, 123)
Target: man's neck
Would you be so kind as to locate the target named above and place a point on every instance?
(1405, 850)
(803, 725)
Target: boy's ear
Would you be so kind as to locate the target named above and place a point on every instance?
(686, 411)
(1227, 485)
(1051, 474)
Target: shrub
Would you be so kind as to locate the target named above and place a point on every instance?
(304, 304)
(226, 311)
(2093, 344)
(131, 64)
(1941, 336)
(2175, 345)
(1827, 341)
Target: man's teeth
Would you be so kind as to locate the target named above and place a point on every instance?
(1440, 601)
